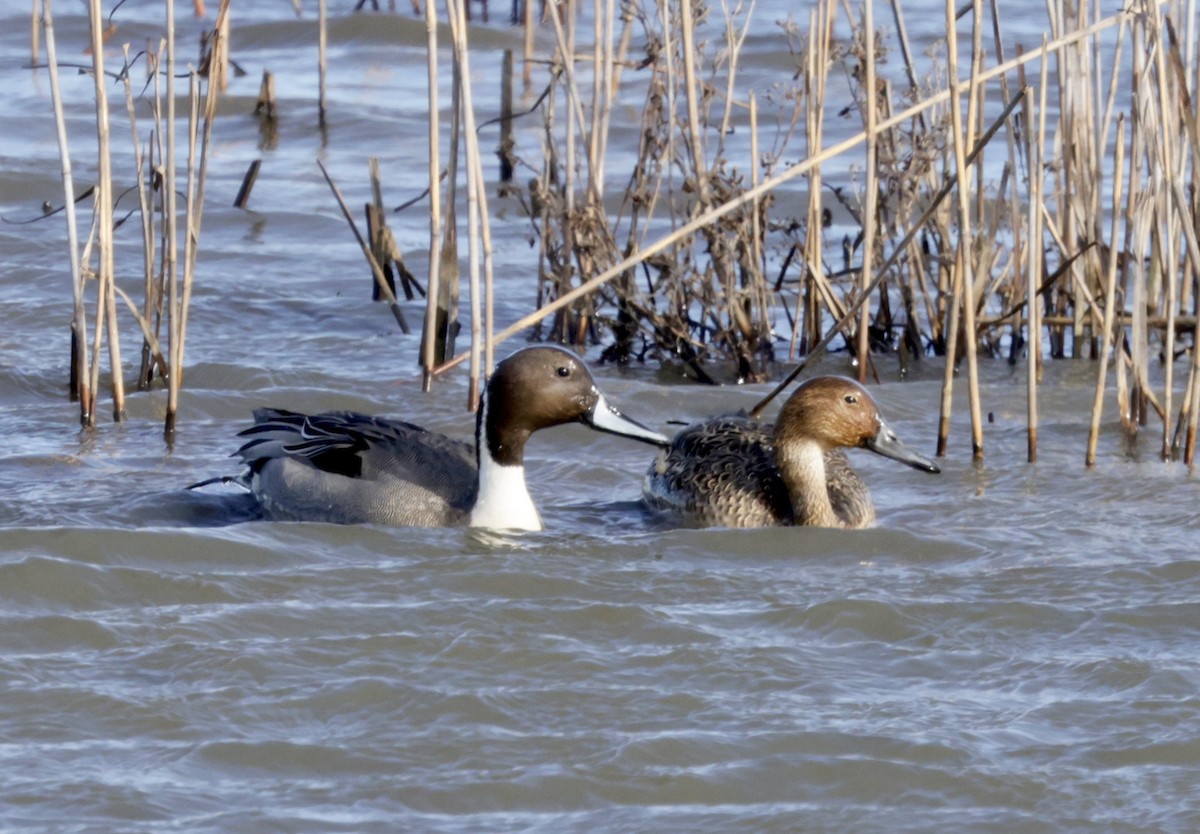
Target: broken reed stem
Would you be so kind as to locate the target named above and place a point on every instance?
(1110, 295)
(321, 45)
(527, 68)
(376, 268)
(34, 47)
(106, 298)
(81, 391)
(433, 282)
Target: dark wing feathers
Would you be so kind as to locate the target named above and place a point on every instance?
(339, 442)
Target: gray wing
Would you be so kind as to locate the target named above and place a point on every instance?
(349, 467)
(720, 473)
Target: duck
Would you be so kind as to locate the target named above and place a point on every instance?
(350, 468)
(733, 471)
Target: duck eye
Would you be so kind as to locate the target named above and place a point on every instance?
(563, 371)
(850, 398)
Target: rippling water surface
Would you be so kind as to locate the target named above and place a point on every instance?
(1012, 649)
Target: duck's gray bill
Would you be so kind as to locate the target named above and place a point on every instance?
(887, 444)
(603, 417)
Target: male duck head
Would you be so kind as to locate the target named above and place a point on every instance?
(534, 388)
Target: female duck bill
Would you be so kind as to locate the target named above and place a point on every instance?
(886, 443)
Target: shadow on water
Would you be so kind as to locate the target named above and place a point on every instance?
(191, 508)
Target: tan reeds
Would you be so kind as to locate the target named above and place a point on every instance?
(433, 338)
(106, 304)
(1110, 294)
(870, 186)
(687, 249)
(1034, 259)
(81, 389)
(963, 295)
(322, 39)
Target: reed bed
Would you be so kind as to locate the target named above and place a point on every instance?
(992, 207)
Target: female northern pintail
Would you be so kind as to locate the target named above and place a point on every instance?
(349, 468)
(735, 472)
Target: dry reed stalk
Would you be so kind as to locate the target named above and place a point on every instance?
(507, 146)
(157, 157)
(734, 40)
(1192, 247)
(1110, 294)
(574, 126)
(175, 315)
(963, 295)
(106, 298)
(692, 90)
(477, 219)
(430, 338)
(322, 41)
(529, 24)
(196, 179)
(808, 319)
(81, 390)
(147, 225)
(170, 223)
(449, 255)
(218, 56)
(598, 97)
(870, 187)
(34, 24)
(1144, 143)
(756, 225)
(607, 70)
(1035, 143)
(1170, 169)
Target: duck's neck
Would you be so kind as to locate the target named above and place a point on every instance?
(802, 465)
(502, 500)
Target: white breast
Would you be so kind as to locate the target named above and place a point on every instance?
(503, 502)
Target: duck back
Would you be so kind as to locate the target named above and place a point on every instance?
(723, 473)
(350, 468)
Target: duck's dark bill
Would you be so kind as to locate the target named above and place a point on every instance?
(603, 417)
(887, 444)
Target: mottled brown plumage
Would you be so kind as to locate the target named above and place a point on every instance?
(733, 471)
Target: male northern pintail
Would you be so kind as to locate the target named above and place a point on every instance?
(735, 472)
(350, 468)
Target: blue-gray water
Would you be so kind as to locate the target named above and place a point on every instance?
(1012, 649)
